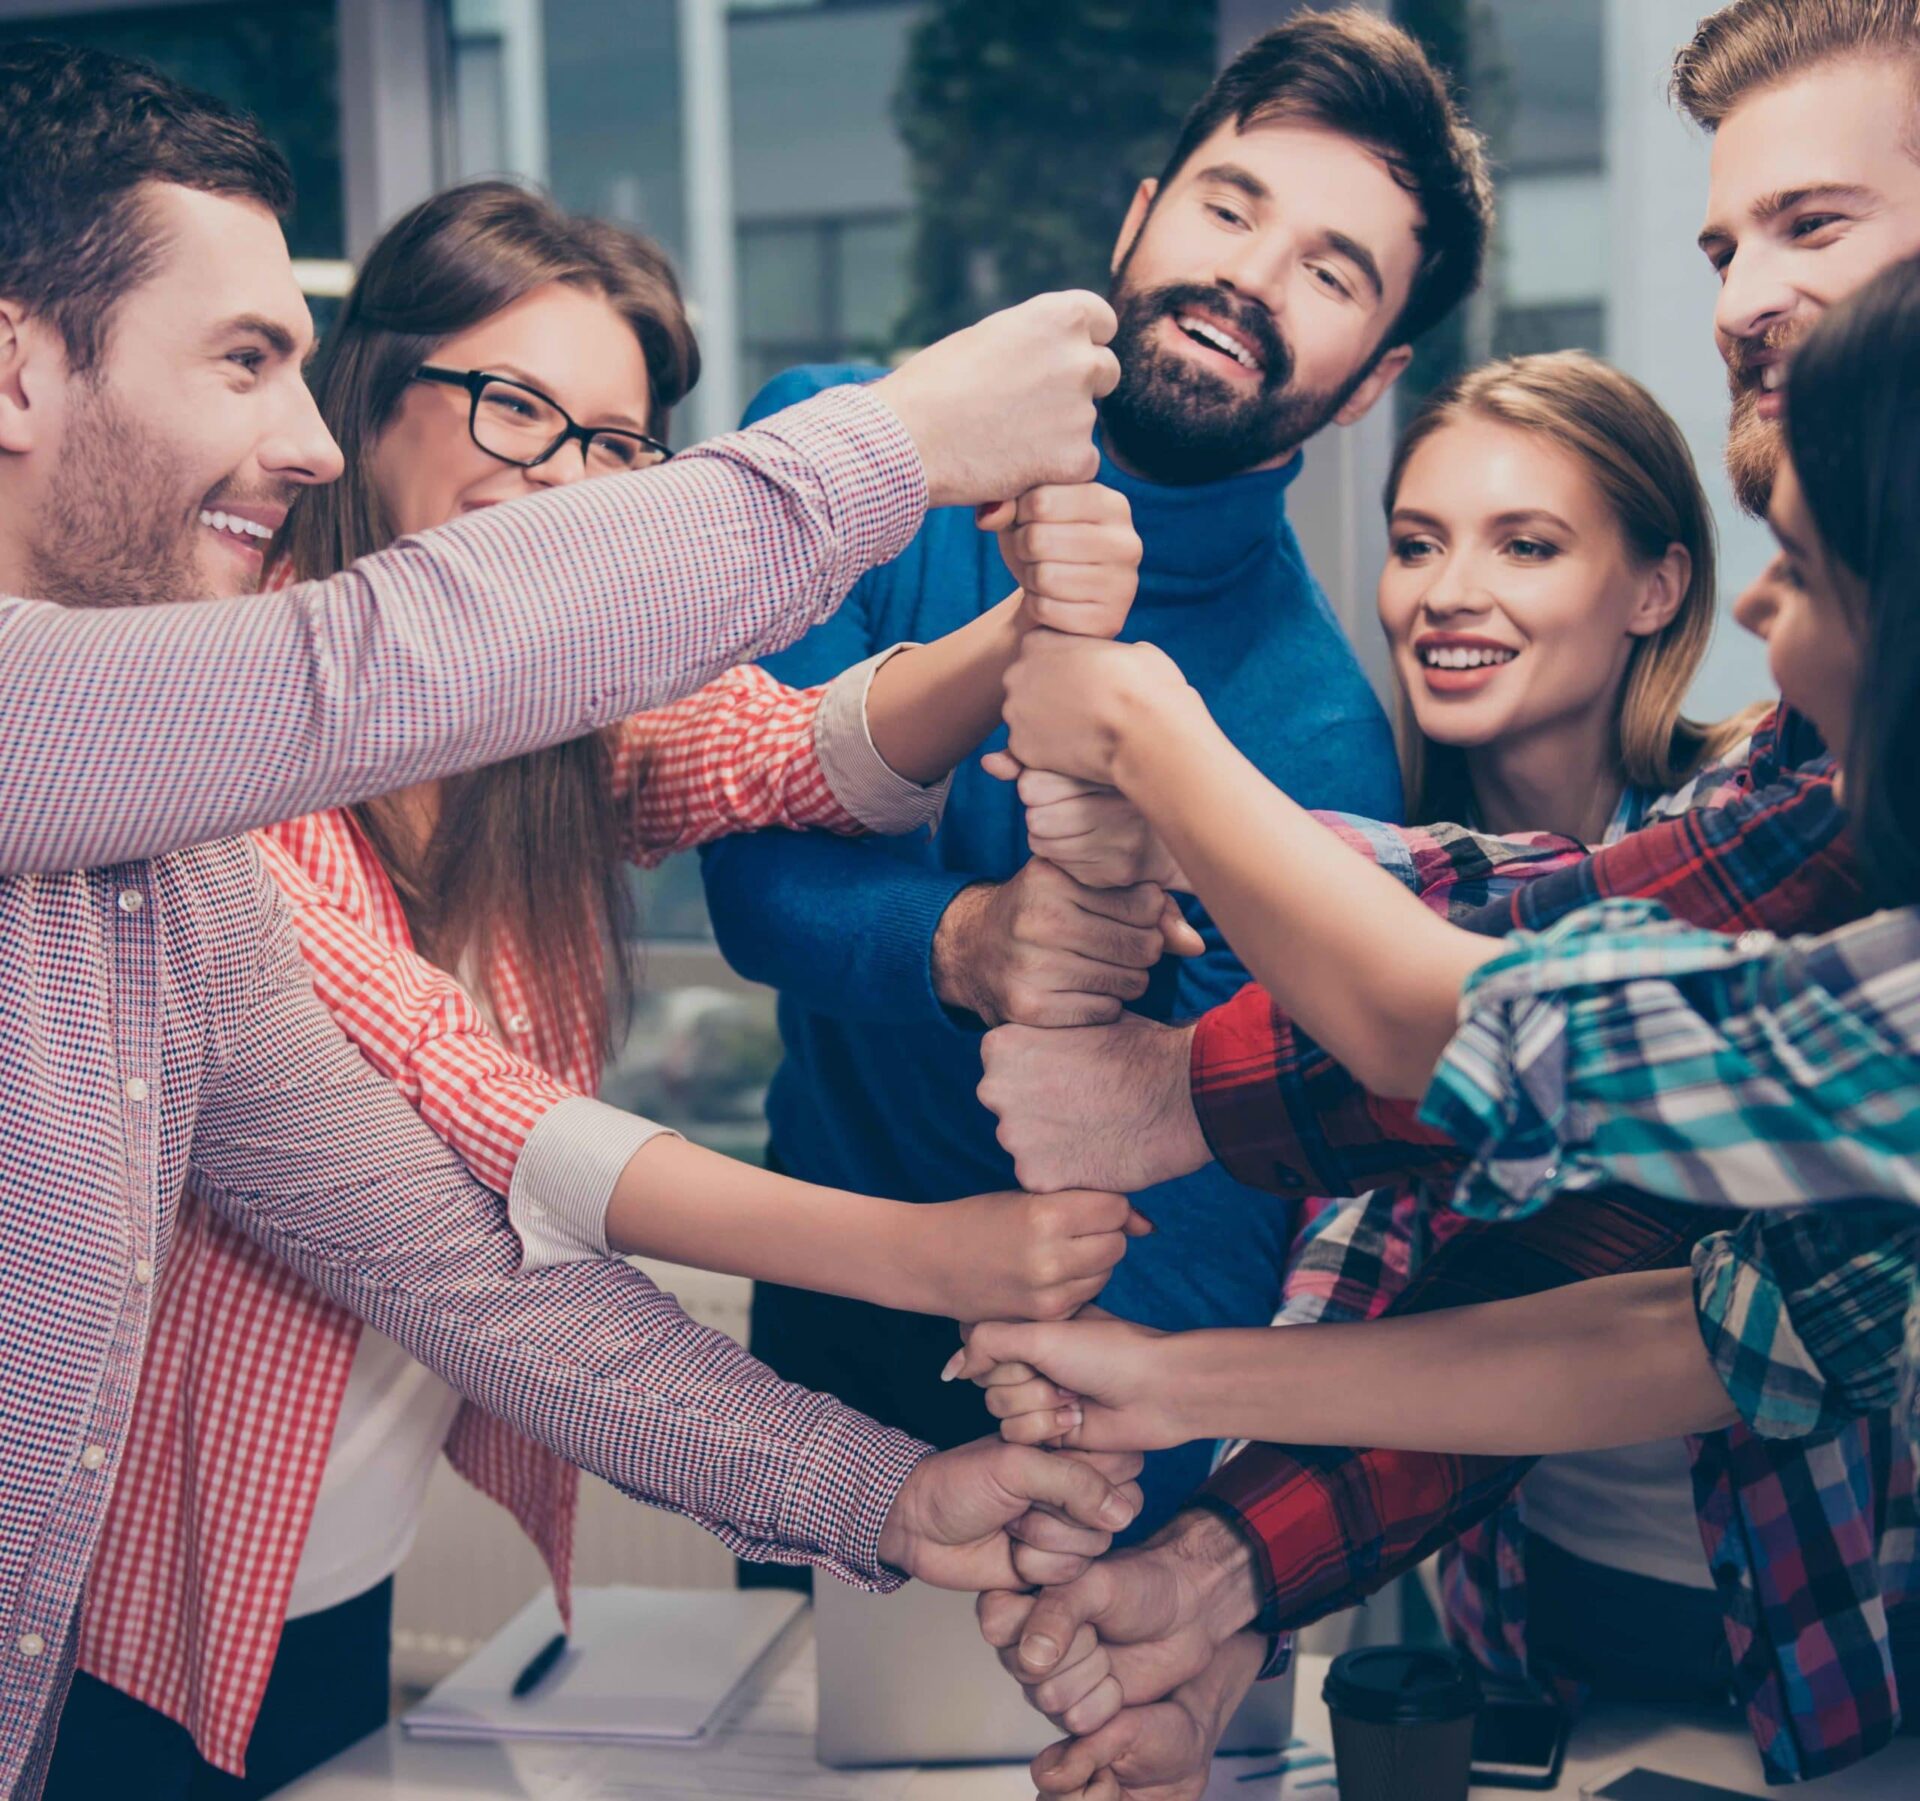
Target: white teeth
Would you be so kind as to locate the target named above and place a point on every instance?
(1460, 656)
(230, 522)
(1772, 378)
(1211, 334)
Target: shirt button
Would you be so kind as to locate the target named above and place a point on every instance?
(131, 900)
(30, 1644)
(143, 1270)
(93, 1457)
(519, 1023)
(136, 1088)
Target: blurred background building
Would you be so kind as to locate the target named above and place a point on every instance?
(849, 178)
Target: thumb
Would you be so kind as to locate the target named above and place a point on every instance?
(1068, 1487)
(990, 1343)
(1002, 765)
(1138, 1225)
(994, 515)
(1182, 940)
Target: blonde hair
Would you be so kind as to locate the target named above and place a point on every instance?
(1636, 458)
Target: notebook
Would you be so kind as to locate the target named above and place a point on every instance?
(641, 1663)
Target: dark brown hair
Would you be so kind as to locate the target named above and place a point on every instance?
(1755, 44)
(1853, 399)
(525, 853)
(1353, 73)
(1640, 465)
(82, 134)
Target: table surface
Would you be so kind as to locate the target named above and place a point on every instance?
(765, 1755)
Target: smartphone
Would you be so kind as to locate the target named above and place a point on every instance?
(1519, 1738)
(1653, 1785)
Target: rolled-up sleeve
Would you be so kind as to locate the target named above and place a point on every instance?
(1753, 1072)
(1803, 1314)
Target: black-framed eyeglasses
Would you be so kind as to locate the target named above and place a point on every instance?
(522, 426)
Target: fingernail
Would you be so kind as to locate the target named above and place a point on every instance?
(955, 1364)
(1070, 1418)
(1039, 1651)
(1115, 1512)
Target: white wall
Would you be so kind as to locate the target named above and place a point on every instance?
(1660, 300)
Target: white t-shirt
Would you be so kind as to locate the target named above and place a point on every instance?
(393, 1424)
(1629, 1509)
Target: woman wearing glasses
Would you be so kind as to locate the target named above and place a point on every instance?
(466, 936)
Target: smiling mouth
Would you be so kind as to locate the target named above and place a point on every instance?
(1204, 332)
(1463, 656)
(248, 534)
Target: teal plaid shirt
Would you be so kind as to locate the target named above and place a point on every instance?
(1757, 1073)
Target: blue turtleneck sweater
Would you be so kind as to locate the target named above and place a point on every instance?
(877, 1090)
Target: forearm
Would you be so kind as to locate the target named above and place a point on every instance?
(694, 1206)
(840, 926)
(512, 629)
(1614, 1361)
(932, 704)
(1359, 961)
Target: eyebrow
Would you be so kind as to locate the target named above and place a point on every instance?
(1235, 175)
(1517, 516)
(278, 339)
(612, 421)
(1784, 200)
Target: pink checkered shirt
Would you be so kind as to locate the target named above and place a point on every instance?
(158, 1024)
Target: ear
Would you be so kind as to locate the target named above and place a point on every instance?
(1380, 378)
(1662, 589)
(1130, 225)
(17, 347)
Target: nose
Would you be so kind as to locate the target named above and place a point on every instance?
(1453, 589)
(1255, 266)
(1756, 609)
(1755, 296)
(302, 450)
(566, 466)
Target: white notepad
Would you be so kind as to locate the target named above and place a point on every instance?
(641, 1663)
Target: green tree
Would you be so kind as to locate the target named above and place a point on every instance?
(1028, 124)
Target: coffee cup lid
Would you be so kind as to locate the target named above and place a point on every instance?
(1401, 1685)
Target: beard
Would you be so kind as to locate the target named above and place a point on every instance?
(1754, 445)
(1181, 424)
(106, 535)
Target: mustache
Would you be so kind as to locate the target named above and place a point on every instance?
(1247, 317)
(238, 494)
(1747, 357)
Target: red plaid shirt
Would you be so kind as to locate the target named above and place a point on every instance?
(1329, 1524)
(247, 1363)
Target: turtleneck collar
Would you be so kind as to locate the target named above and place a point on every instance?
(1202, 533)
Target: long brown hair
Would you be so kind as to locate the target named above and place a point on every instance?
(524, 853)
(1635, 456)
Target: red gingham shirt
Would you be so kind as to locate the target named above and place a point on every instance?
(158, 1022)
(247, 1364)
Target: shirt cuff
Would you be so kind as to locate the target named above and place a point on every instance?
(565, 1178)
(1761, 1360)
(859, 776)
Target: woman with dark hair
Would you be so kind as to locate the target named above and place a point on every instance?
(467, 935)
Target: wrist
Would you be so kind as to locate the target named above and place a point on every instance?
(1217, 1567)
(954, 940)
(1154, 717)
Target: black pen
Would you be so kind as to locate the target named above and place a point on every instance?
(541, 1663)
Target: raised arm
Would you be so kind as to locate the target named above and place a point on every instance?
(129, 733)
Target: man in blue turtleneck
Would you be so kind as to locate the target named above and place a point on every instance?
(1324, 205)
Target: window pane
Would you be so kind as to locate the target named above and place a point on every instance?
(278, 62)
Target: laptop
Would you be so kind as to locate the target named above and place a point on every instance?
(907, 1679)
